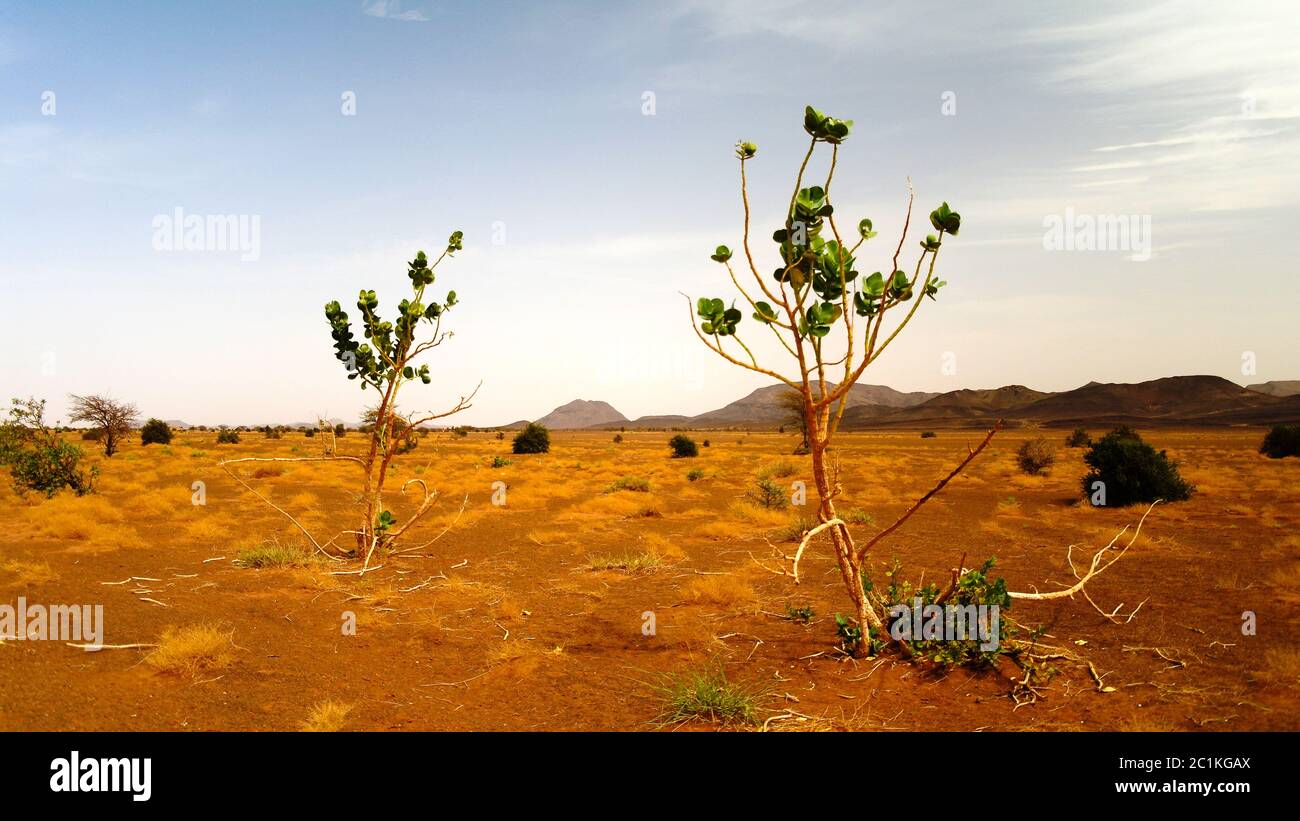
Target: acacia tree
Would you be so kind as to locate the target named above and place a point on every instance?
(386, 362)
(833, 323)
(791, 403)
(111, 418)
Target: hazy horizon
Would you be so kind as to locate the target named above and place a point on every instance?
(585, 215)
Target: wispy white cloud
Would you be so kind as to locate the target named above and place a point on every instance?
(392, 10)
(1218, 82)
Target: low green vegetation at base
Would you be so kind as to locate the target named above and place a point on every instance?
(706, 694)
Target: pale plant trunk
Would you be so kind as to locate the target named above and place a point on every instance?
(845, 552)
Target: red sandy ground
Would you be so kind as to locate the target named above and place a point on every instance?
(521, 635)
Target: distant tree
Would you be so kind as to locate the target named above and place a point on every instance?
(1281, 441)
(155, 431)
(1035, 456)
(533, 439)
(1078, 439)
(400, 436)
(38, 458)
(340, 430)
(791, 403)
(112, 419)
(228, 437)
(1130, 471)
(683, 447)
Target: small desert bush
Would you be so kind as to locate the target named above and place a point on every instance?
(802, 615)
(1281, 441)
(618, 438)
(272, 554)
(928, 434)
(501, 461)
(706, 694)
(329, 716)
(191, 650)
(779, 470)
(694, 475)
(93, 435)
(768, 494)
(228, 437)
(1078, 439)
(632, 483)
(1131, 471)
(793, 532)
(533, 439)
(858, 516)
(155, 432)
(683, 447)
(1035, 456)
(643, 562)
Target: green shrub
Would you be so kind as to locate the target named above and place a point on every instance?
(37, 457)
(802, 615)
(340, 431)
(155, 432)
(500, 462)
(1078, 439)
(1035, 456)
(618, 438)
(309, 433)
(779, 470)
(858, 516)
(694, 475)
(768, 494)
(683, 447)
(707, 694)
(228, 437)
(632, 483)
(533, 439)
(1282, 440)
(1132, 472)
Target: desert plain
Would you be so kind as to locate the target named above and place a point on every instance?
(549, 598)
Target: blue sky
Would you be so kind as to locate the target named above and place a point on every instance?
(525, 123)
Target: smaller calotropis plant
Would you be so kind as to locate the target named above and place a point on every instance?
(385, 362)
(816, 290)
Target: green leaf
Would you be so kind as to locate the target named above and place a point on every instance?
(722, 254)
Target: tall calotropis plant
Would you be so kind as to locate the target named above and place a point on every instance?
(829, 319)
(386, 362)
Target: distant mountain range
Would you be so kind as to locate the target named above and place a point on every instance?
(1175, 400)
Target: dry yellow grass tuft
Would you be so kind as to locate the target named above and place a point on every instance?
(29, 573)
(329, 716)
(191, 650)
(725, 590)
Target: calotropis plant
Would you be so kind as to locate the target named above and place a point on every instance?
(386, 362)
(827, 317)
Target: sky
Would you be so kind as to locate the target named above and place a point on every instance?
(585, 149)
